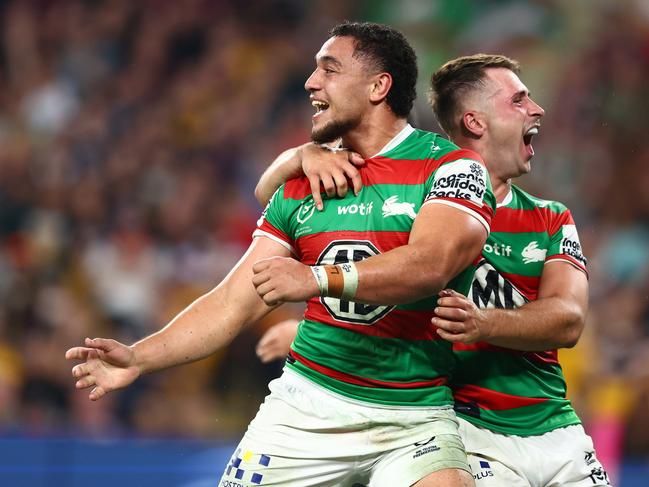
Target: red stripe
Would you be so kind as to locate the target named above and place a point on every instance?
(383, 170)
(297, 188)
(515, 220)
(400, 324)
(528, 285)
(461, 154)
(547, 357)
(364, 381)
(564, 218)
(493, 400)
(311, 246)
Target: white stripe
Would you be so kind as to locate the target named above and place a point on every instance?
(559, 259)
(397, 139)
(471, 212)
(261, 233)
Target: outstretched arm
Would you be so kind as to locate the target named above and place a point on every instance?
(206, 325)
(331, 168)
(554, 320)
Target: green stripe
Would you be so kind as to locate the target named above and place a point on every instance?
(527, 421)
(384, 359)
(421, 397)
(522, 200)
(514, 263)
(421, 145)
(510, 373)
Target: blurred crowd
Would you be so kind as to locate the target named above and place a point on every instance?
(132, 135)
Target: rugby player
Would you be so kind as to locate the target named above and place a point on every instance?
(364, 398)
(528, 297)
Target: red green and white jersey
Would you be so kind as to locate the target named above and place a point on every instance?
(509, 391)
(380, 354)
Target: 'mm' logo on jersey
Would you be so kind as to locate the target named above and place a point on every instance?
(339, 252)
(491, 290)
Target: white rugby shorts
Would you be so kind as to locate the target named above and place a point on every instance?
(562, 457)
(305, 435)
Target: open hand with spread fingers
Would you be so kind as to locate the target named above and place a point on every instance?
(107, 365)
(334, 169)
(458, 319)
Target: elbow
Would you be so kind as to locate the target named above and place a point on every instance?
(259, 195)
(573, 330)
(428, 283)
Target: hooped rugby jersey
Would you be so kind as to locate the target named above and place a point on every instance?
(504, 390)
(380, 354)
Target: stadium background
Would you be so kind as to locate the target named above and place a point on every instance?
(131, 137)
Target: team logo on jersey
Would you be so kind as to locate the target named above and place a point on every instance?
(340, 252)
(464, 179)
(306, 210)
(532, 253)
(570, 243)
(393, 207)
(491, 290)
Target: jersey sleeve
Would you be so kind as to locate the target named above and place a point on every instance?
(564, 242)
(462, 181)
(273, 223)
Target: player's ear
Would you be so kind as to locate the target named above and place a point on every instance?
(473, 124)
(380, 87)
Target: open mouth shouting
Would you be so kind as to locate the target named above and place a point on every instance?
(527, 139)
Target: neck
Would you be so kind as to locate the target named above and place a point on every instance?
(370, 137)
(501, 188)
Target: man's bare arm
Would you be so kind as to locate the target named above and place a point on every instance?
(444, 240)
(286, 166)
(206, 325)
(555, 320)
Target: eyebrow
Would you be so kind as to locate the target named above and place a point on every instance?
(521, 93)
(330, 60)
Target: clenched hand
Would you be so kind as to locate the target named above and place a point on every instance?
(282, 279)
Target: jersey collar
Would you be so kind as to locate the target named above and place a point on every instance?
(400, 137)
(508, 199)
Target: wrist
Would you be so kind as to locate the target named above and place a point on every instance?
(336, 281)
(138, 362)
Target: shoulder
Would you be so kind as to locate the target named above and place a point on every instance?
(424, 145)
(529, 201)
(294, 189)
(553, 214)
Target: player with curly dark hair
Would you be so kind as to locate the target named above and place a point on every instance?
(363, 397)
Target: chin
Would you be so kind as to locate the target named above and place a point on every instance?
(331, 130)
